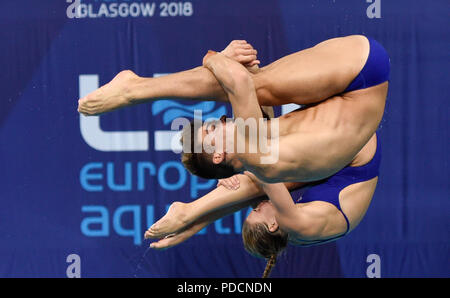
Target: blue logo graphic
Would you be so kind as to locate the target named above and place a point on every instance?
(172, 110)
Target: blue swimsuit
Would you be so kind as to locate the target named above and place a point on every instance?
(328, 190)
(375, 71)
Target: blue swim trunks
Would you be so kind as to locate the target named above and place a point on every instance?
(375, 71)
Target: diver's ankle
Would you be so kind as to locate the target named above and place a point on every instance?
(130, 86)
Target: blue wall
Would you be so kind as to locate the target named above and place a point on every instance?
(62, 196)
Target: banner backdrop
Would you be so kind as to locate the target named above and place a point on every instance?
(84, 190)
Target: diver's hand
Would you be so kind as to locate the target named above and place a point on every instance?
(242, 52)
(231, 183)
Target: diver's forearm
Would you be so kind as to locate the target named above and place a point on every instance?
(235, 79)
(224, 69)
(280, 197)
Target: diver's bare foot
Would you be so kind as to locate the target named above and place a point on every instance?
(174, 220)
(114, 95)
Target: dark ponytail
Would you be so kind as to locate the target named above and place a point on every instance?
(270, 264)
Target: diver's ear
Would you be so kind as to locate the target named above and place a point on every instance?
(218, 158)
(273, 227)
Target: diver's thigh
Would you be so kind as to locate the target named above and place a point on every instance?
(313, 74)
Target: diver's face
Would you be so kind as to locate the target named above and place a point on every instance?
(213, 135)
(263, 213)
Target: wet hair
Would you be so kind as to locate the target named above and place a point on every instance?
(200, 164)
(262, 243)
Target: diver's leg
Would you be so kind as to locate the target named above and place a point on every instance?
(304, 77)
(313, 74)
(129, 89)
